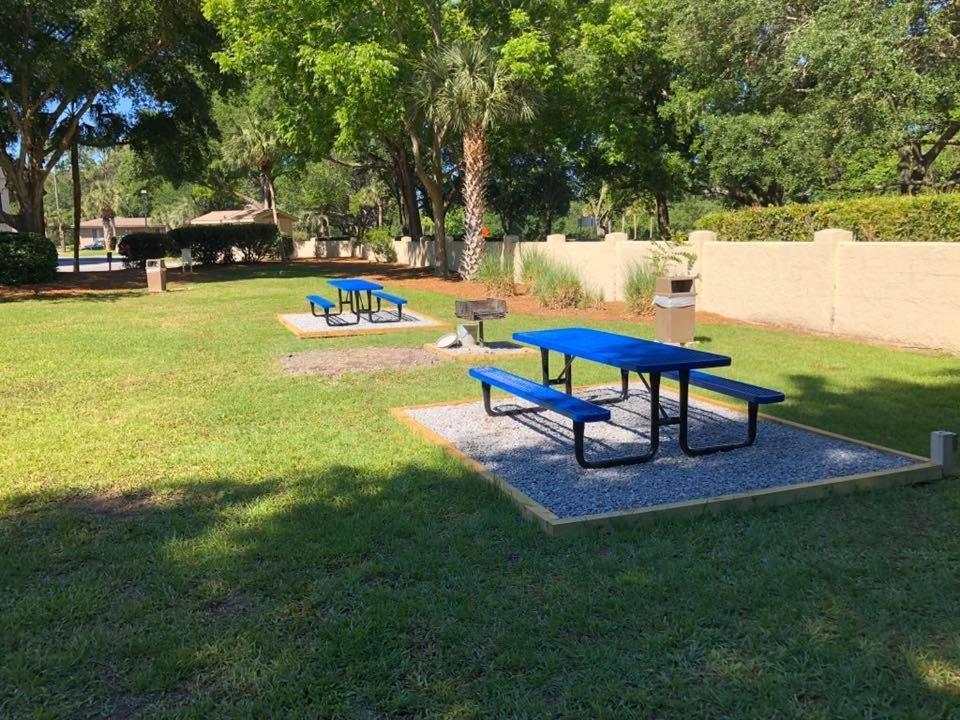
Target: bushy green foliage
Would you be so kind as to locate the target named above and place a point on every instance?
(638, 287)
(381, 242)
(26, 258)
(495, 276)
(555, 284)
(922, 218)
(137, 248)
(214, 244)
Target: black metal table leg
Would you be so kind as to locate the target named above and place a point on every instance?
(752, 413)
(545, 365)
(568, 374)
(578, 436)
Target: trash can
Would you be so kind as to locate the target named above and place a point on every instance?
(186, 259)
(156, 275)
(675, 302)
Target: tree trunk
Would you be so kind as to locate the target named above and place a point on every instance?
(663, 215)
(474, 199)
(272, 194)
(433, 183)
(408, 193)
(75, 176)
(31, 207)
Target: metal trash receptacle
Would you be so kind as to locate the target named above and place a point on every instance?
(156, 275)
(675, 301)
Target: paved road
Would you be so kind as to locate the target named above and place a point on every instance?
(98, 263)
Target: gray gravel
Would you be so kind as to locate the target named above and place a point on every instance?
(534, 453)
(307, 323)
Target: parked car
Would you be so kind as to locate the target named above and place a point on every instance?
(95, 245)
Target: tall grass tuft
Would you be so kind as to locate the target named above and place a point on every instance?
(555, 284)
(496, 278)
(638, 288)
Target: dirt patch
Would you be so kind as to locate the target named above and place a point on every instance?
(117, 504)
(334, 363)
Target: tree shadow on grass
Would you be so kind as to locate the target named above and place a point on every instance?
(896, 412)
(419, 592)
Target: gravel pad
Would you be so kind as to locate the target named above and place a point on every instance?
(307, 325)
(534, 453)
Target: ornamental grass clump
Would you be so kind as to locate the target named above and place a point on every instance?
(495, 276)
(638, 288)
(554, 284)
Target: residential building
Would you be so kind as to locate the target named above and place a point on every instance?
(249, 214)
(91, 230)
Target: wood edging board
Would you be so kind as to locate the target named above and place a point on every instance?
(353, 331)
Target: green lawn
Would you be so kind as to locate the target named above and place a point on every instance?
(187, 532)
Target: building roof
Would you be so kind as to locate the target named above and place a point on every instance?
(251, 213)
(124, 222)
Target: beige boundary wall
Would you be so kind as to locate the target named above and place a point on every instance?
(904, 293)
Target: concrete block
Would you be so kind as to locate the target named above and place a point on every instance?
(943, 450)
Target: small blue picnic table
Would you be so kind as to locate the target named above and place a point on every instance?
(353, 289)
(628, 354)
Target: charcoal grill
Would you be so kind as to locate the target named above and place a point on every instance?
(479, 310)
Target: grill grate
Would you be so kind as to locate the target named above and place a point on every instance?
(474, 310)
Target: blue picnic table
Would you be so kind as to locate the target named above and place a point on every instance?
(354, 289)
(628, 355)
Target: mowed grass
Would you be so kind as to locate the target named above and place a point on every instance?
(188, 532)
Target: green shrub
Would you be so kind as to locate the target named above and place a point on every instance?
(497, 278)
(923, 218)
(381, 242)
(26, 258)
(137, 248)
(554, 284)
(638, 287)
(215, 244)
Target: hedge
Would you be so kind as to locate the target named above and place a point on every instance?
(137, 248)
(26, 258)
(214, 244)
(921, 218)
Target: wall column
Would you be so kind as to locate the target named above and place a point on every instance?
(828, 240)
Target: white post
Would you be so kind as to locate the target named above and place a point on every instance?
(943, 450)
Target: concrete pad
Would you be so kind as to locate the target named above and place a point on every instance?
(305, 325)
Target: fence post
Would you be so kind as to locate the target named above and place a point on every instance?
(831, 238)
(506, 252)
(698, 239)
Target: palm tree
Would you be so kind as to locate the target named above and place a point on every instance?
(467, 90)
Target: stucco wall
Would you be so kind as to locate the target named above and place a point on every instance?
(904, 293)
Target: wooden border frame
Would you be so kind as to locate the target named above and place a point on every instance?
(353, 330)
(921, 471)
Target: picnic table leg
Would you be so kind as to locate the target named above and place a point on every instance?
(356, 305)
(568, 373)
(578, 436)
(665, 418)
(752, 412)
(545, 365)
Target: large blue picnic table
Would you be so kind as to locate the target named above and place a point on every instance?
(354, 287)
(628, 354)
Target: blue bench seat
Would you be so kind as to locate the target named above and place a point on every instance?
(543, 396)
(395, 299)
(753, 395)
(734, 388)
(321, 302)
